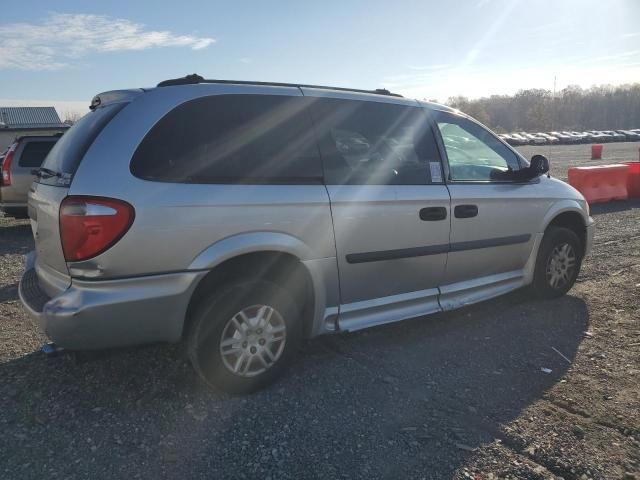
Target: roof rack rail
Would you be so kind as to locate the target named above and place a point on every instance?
(194, 78)
(187, 80)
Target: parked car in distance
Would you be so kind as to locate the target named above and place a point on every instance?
(203, 211)
(594, 137)
(576, 138)
(24, 155)
(563, 138)
(617, 137)
(630, 136)
(518, 139)
(550, 138)
(600, 137)
(588, 138)
(534, 139)
(506, 137)
(582, 138)
(512, 140)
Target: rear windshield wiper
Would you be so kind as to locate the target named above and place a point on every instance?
(44, 172)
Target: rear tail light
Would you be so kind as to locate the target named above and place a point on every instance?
(91, 225)
(6, 165)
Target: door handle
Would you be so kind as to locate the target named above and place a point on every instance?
(465, 211)
(432, 214)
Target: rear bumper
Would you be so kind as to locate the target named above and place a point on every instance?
(113, 313)
(12, 196)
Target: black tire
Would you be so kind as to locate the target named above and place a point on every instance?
(208, 325)
(556, 237)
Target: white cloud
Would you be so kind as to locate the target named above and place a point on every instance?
(63, 38)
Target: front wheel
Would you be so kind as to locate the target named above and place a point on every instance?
(243, 337)
(558, 263)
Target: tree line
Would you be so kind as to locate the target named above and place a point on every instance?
(537, 110)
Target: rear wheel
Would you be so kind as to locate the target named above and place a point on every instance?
(243, 337)
(558, 262)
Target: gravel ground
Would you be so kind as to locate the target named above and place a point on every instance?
(456, 395)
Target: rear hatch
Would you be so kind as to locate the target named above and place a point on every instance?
(52, 186)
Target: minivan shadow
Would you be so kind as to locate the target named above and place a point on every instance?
(396, 401)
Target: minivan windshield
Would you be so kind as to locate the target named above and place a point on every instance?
(67, 153)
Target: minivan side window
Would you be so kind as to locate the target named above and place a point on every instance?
(474, 153)
(375, 143)
(34, 153)
(232, 139)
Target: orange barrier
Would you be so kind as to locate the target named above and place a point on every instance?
(600, 184)
(596, 152)
(633, 179)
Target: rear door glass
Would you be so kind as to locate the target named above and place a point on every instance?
(376, 143)
(34, 153)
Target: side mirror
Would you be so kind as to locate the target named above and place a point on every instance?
(539, 165)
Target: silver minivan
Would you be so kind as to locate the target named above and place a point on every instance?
(243, 217)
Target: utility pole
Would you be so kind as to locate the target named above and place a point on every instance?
(553, 106)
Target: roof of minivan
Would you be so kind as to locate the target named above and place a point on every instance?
(194, 79)
(439, 106)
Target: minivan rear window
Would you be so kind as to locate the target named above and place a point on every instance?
(34, 153)
(254, 139)
(67, 153)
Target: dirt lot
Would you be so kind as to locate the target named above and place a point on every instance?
(457, 395)
(565, 156)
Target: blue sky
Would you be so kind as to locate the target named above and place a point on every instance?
(64, 52)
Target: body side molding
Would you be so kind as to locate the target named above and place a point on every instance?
(436, 249)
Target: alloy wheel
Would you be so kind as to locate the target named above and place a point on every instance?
(253, 340)
(561, 266)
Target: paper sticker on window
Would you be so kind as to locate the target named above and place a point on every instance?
(436, 173)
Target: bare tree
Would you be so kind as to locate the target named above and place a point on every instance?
(70, 117)
(573, 108)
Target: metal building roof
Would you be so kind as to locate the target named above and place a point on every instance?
(19, 118)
